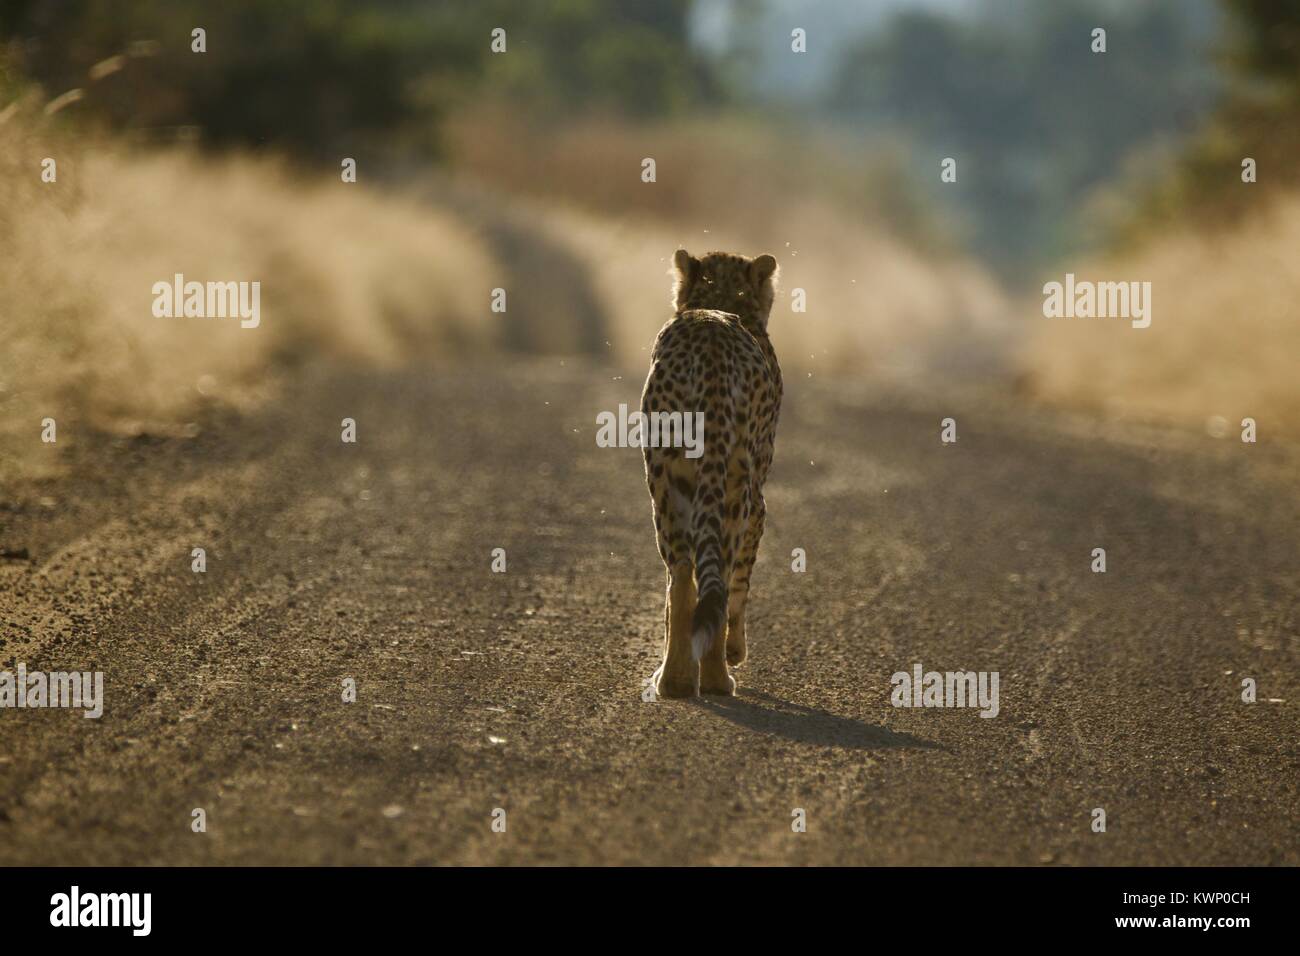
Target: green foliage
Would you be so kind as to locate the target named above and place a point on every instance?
(1257, 117)
(320, 76)
(1267, 42)
(572, 56)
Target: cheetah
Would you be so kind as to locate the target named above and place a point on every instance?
(713, 355)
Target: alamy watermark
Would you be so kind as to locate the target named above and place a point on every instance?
(1098, 300)
(37, 689)
(208, 300)
(923, 688)
(75, 908)
(651, 430)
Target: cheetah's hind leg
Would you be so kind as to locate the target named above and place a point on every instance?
(678, 675)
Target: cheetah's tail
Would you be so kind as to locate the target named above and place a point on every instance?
(708, 508)
(710, 615)
(711, 610)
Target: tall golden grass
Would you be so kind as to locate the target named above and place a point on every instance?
(872, 305)
(379, 277)
(1224, 340)
(344, 270)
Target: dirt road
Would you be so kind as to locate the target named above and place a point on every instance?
(523, 690)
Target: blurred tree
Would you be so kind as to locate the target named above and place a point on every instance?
(1267, 45)
(1036, 120)
(1258, 117)
(572, 56)
(316, 76)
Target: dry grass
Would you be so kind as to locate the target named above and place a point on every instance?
(349, 272)
(343, 270)
(1224, 340)
(877, 300)
(872, 305)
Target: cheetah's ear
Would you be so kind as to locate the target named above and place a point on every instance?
(688, 270)
(761, 269)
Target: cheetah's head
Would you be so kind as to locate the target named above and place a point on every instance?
(727, 283)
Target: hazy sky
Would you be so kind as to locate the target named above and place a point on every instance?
(830, 24)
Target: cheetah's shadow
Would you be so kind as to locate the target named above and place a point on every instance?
(768, 714)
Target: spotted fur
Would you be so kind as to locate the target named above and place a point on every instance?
(714, 356)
